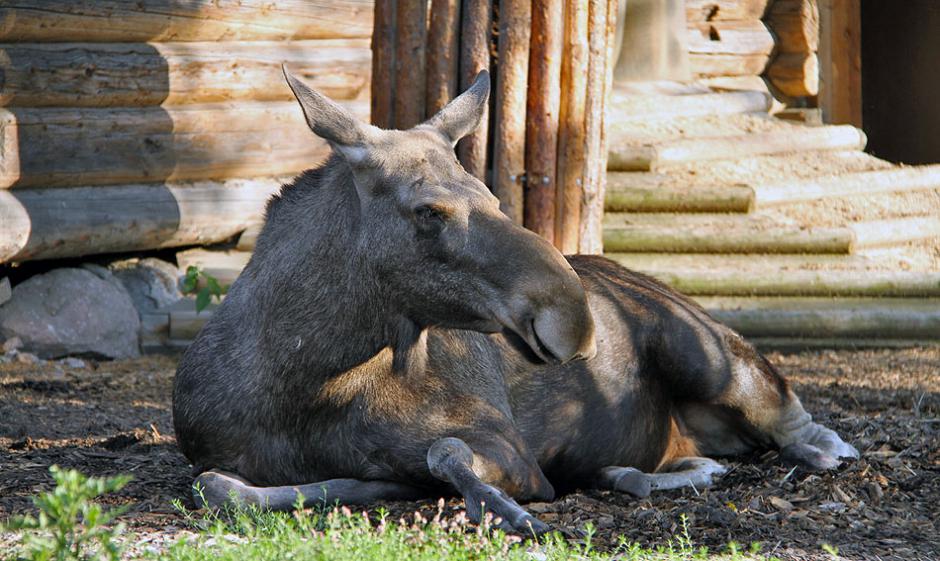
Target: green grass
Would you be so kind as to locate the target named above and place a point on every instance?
(70, 526)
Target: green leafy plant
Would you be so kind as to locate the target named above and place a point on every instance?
(210, 287)
(70, 525)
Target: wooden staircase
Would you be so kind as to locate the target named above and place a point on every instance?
(788, 232)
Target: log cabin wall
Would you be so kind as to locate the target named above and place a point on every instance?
(757, 44)
(155, 123)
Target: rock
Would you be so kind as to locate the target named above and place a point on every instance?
(27, 358)
(151, 283)
(72, 311)
(12, 344)
(5, 291)
(72, 362)
(782, 505)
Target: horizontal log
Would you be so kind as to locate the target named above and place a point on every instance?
(161, 20)
(707, 65)
(731, 37)
(780, 275)
(632, 106)
(829, 318)
(795, 74)
(53, 223)
(57, 147)
(859, 184)
(130, 74)
(626, 157)
(648, 192)
(895, 231)
(722, 233)
(796, 25)
(719, 10)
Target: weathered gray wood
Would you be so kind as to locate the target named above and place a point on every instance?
(878, 318)
(162, 20)
(796, 25)
(510, 120)
(723, 64)
(731, 38)
(689, 233)
(627, 157)
(795, 74)
(854, 184)
(55, 147)
(642, 107)
(648, 192)
(780, 275)
(721, 10)
(52, 223)
(129, 74)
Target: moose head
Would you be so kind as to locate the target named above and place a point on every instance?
(435, 239)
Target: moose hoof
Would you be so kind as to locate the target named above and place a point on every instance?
(808, 457)
(216, 489)
(627, 480)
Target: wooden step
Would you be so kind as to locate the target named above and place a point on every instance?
(626, 156)
(782, 275)
(661, 192)
(829, 318)
(718, 233)
(755, 233)
(896, 179)
(624, 105)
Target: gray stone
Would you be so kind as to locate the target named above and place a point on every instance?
(72, 311)
(12, 344)
(5, 291)
(72, 362)
(27, 358)
(151, 283)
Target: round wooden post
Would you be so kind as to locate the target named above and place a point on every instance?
(475, 30)
(510, 122)
(383, 64)
(443, 54)
(601, 39)
(410, 61)
(542, 110)
(571, 156)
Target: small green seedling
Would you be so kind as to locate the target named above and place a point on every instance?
(204, 294)
(70, 526)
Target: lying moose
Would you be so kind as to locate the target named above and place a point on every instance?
(396, 336)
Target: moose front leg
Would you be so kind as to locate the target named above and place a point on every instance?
(215, 489)
(452, 460)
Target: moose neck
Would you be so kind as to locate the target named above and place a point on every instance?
(345, 317)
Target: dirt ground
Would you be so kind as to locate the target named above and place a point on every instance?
(114, 417)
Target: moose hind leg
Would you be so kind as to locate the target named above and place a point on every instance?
(216, 489)
(692, 472)
(745, 403)
(452, 460)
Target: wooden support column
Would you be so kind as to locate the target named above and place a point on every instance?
(840, 54)
(411, 44)
(443, 54)
(383, 64)
(602, 24)
(476, 29)
(571, 147)
(510, 123)
(542, 116)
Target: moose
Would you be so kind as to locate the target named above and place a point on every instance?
(395, 336)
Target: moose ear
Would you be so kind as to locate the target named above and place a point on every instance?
(328, 120)
(462, 116)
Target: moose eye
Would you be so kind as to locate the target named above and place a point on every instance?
(428, 215)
